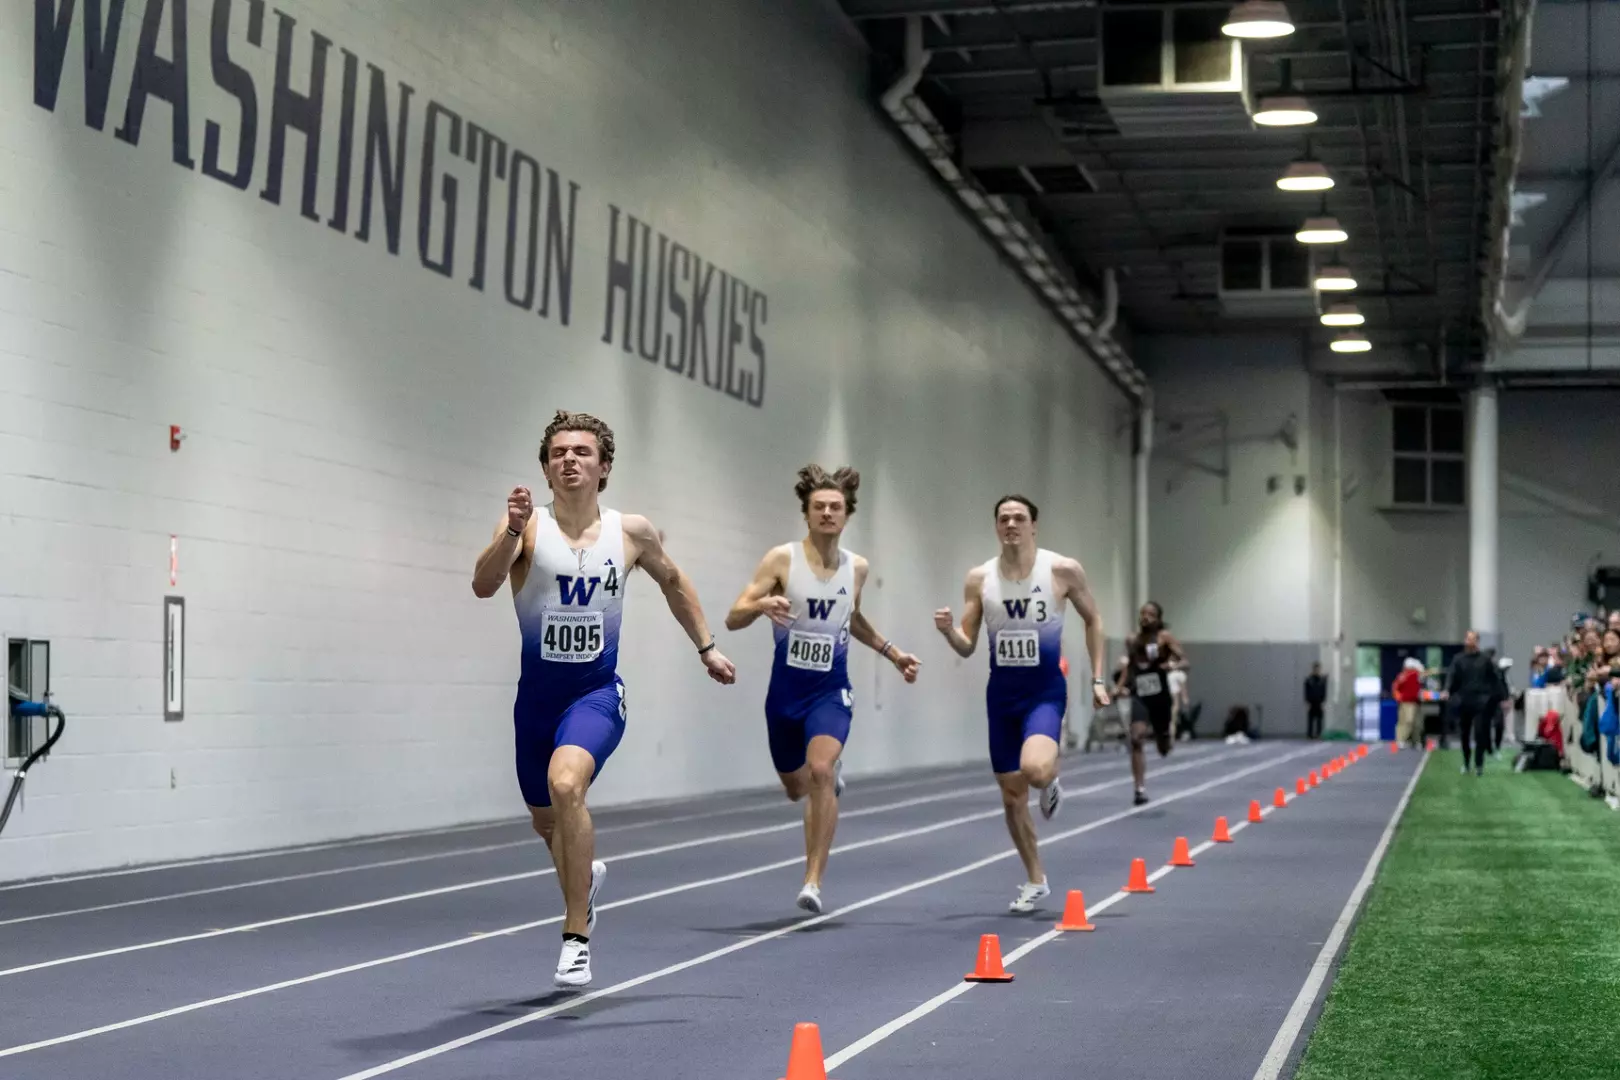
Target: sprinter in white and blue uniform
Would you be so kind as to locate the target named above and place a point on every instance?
(1019, 597)
(810, 589)
(569, 563)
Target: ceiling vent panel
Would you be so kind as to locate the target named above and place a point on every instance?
(1167, 71)
(1266, 275)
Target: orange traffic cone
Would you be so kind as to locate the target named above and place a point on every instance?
(989, 968)
(1179, 855)
(1222, 835)
(1394, 748)
(1315, 780)
(805, 1061)
(1280, 799)
(1299, 786)
(1074, 913)
(1254, 811)
(1429, 745)
(1138, 881)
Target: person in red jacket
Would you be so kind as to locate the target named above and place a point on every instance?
(1408, 693)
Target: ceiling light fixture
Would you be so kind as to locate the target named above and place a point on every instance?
(1351, 342)
(1321, 230)
(1258, 19)
(1284, 110)
(1335, 278)
(1343, 315)
(1305, 175)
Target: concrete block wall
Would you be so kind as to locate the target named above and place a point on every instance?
(359, 389)
(1257, 566)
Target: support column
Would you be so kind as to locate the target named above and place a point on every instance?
(1482, 517)
(1144, 454)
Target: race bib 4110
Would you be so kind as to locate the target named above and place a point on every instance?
(1018, 648)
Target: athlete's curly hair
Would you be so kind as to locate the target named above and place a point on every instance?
(578, 421)
(813, 478)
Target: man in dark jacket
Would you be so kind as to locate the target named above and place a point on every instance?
(1315, 697)
(1474, 691)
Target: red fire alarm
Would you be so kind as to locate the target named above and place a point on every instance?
(175, 436)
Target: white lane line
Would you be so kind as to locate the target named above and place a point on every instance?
(482, 849)
(877, 784)
(1277, 1056)
(872, 1038)
(524, 875)
(760, 939)
(672, 890)
(248, 856)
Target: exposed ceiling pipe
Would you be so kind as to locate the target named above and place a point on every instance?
(1499, 321)
(1110, 302)
(917, 59)
(1044, 274)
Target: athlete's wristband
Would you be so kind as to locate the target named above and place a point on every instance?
(511, 532)
(707, 647)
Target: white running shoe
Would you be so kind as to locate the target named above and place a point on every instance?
(598, 875)
(1051, 799)
(810, 898)
(574, 964)
(1028, 893)
(838, 778)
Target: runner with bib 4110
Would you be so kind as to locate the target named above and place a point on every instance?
(1020, 596)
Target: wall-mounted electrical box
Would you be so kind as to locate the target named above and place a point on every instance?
(28, 678)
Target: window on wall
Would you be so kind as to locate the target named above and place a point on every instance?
(1429, 463)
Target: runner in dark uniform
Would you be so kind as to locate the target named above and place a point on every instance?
(1153, 654)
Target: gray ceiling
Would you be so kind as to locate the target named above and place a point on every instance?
(1567, 140)
(1406, 91)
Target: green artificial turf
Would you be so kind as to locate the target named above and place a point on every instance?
(1489, 945)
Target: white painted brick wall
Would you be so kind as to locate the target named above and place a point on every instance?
(354, 420)
(1260, 567)
(1238, 570)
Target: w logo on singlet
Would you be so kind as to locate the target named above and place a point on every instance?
(820, 609)
(577, 590)
(1016, 609)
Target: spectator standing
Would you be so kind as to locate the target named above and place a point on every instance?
(1473, 688)
(1316, 688)
(1505, 712)
(1408, 694)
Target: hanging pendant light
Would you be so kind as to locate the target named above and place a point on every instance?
(1305, 175)
(1343, 315)
(1335, 278)
(1284, 110)
(1258, 19)
(1321, 230)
